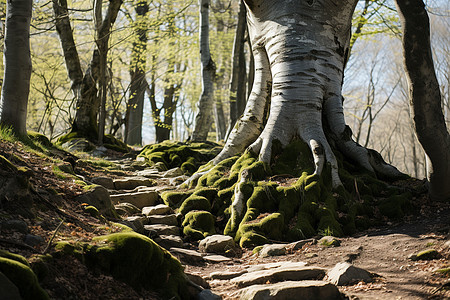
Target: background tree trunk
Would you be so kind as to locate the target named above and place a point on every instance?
(17, 61)
(204, 117)
(425, 97)
(135, 106)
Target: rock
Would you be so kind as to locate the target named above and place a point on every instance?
(178, 180)
(308, 289)
(105, 182)
(329, 241)
(150, 173)
(78, 145)
(186, 255)
(138, 222)
(272, 250)
(139, 199)
(16, 225)
(207, 295)
(216, 244)
(279, 274)
(345, 273)
(160, 209)
(226, 275)
(99, 151)
(161, 229)
(169, 241)
(299, 244)
(163, 219)
(447, 244)
(130, 183)
(428, 254)
(198, 280)
(33, 240)
(99, 197)
(173, 173)
(8, 290)
(126, 209)
(279, 264)
(216, 258)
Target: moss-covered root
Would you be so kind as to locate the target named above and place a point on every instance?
(198, 224)
(18, 271)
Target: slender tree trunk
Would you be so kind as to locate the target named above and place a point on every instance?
(135, 106)
(238, 70)
(425, 98)
(17, 63)
(204, 117)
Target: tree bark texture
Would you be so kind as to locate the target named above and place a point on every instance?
(425, 97)
(204, 117)
(135, 106)
(17, 64)
(300, 48)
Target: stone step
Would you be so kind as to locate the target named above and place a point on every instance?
(160, 209)
(287, 273)
(164, 219)
(308, 289)
(169, 241)
(130, 183)
(139, 199)
(161, 229)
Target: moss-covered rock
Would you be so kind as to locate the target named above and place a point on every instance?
(195, 202)
(198, 225)
(174, 199)
(18, 271)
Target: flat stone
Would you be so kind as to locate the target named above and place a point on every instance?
(299, 244)
(163, 219)
(272, 250)
(345, 273)
(150, 173)
(279, 274)
(169, 241)
(308, 289)
(178, 180)
(105, 182)
(198, 280)
(130, 183)
(329, 241)
(175, 172)
(160, 209)
(139, 199)
(161, 229)
(138, 220)
(216, 244)
(226, 275)
(16, 225)
(279, 264)
(207, 295)
(187, 255)
(216, 258)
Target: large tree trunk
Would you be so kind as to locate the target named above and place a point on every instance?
(300, 48)
(204, 117)
(135, 106)
(17, 62)
(425, 97)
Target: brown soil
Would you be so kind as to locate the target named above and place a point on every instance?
(383, 251)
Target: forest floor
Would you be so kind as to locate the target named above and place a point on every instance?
(383, 251)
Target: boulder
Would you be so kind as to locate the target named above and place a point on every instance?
(139, 199)
(160, 209)
(138, 222)
(207, 295)
(216, 244)
(33, 240)
(105, 182)
(126, 209)
(98, 197)
(130, 183)
(345, 273)
(299, 244)
(279, 274)
(308, 289)
(272, 250)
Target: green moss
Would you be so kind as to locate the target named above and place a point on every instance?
(40, 138)
(23, 277)
(6, 165)
(294, 159)
(92, 210)
(270, 226)
(65, 248)
(138, 261)
(174, 199)
(195, 202)
(444, 271)
(13, 256)
(428, 254)
(303, 228)
(252, 239)
(198, 224)
(188, 167)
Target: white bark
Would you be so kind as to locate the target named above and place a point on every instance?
(204, 117)
(17, 63)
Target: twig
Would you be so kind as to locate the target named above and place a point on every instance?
(53, 236)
